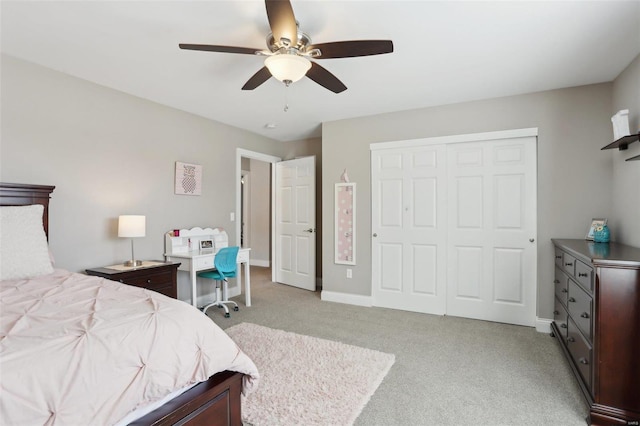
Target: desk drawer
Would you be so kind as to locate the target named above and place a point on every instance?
(203, 263)
(243, 256)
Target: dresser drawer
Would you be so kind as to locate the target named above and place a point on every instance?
(581, 352)
(569, 264)
(560, 318)
(580, 306)
(558, 258)
(584, 275)
(561, 282)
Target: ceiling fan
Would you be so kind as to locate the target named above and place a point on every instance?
(290, 50)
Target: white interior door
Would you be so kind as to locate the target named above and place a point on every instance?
(492, 229)
(295, 225)
(409, 229)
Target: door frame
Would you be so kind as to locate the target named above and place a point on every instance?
(268, 159)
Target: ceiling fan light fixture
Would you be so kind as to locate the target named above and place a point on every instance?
(287, 67)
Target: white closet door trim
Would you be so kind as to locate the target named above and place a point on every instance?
(471, 137)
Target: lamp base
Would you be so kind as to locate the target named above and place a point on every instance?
(133, 263)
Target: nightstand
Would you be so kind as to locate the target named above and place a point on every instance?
(153, 275)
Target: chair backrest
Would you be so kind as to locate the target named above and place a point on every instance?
(225, 260)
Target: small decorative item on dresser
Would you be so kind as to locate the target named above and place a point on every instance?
(601, 234)
(596, 222)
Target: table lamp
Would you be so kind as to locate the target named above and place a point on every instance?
(131, 226)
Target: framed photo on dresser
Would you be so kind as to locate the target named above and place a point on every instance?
(594, 224)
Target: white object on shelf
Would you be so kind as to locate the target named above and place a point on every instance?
(620, 123)
(189, 240)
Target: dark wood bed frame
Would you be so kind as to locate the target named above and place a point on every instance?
(211, 403)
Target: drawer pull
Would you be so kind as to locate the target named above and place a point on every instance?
(564, 290)
(148, 281)
(558, 256)
(556, 281)
(556, 313)
(568, 264)
(563, 325)
(584, 361)
(580, 274)
(571, 339)
(584, 315)
(571, 299)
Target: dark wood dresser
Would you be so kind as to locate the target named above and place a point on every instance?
(597, 322)
(161, 277)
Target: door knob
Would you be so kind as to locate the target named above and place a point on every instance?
(531, 240)
(309, 230)
(375, 235)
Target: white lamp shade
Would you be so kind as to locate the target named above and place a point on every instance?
(287, 66)
(131, 226)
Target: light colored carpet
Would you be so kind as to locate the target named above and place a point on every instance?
(448, 371)
(307, 380)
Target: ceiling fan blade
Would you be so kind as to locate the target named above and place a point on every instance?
(258, 78)
(282, 20)
(222, 49)
(351, 49)
(325, 79)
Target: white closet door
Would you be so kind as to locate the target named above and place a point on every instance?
(491, 230)
(409, 228)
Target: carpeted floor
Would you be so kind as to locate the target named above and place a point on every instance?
(448, 371)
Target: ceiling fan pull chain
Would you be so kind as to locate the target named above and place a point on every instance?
(286, 100)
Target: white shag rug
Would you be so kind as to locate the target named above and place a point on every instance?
(305, 380)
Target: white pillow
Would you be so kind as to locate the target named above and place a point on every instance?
(24, 252)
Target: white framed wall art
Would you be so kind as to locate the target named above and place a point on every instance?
(188, 179)
(345, 223)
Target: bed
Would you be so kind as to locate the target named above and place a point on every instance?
(134, 357)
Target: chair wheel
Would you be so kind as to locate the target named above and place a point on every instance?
(236, 309)
(227, 315)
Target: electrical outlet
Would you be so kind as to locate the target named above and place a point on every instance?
(232, 216)
(349, 273)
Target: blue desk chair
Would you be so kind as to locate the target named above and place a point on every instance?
(226, 265)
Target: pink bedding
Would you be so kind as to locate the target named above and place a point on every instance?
(79, 350)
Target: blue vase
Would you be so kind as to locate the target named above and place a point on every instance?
(601, 234)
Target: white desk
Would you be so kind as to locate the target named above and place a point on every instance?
(194, 261)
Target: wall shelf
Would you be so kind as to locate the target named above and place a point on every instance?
(636, 158)
(623, 142)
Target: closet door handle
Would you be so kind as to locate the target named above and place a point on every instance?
(584, 315)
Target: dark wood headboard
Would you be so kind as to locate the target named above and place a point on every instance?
(18, 194)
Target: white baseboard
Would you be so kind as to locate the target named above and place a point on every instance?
(260, 262)
(349, 299)
(543, 325)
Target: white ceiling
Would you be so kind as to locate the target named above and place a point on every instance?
(445, 52)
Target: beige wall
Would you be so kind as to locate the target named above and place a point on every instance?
(625, 218)
(574, 176)
(108, 154)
